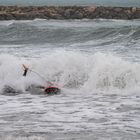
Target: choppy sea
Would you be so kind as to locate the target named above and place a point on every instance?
(96, 63)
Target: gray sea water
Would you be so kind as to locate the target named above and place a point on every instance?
(96, 63)
(120, 3)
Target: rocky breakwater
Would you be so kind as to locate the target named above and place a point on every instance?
(67, 12)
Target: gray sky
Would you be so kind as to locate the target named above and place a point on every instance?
(72, 2)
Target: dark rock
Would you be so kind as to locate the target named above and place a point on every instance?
(117, 9)
(68, 12)
(77, 15)
(3, 16)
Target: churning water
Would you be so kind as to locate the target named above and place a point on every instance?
(96, 63)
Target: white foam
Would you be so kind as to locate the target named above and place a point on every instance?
(22, 138)
(71, 69)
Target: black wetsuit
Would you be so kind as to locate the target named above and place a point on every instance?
(25, 72)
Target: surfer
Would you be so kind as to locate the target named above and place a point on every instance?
(25, 70)
(50, 89)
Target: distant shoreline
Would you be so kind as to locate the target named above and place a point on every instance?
(68, 12)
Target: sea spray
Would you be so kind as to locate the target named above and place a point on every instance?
(96, 63)
(71, 70)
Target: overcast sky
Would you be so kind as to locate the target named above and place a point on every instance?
(72, 2)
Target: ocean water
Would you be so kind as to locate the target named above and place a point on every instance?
(121, 3)
(96, 63)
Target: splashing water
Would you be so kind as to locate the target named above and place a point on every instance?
(96, 64)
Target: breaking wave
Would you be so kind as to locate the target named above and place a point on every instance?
(73, 70)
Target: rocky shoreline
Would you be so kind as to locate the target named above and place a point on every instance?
(68, 12)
